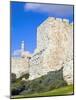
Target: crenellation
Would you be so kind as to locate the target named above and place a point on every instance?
(50, 19)
(66, 20)
(59, 19)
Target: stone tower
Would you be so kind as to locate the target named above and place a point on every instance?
(54, 49)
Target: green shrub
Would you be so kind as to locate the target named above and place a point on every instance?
(27, 75)
(13, 77)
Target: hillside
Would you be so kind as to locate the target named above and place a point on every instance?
(41, 86)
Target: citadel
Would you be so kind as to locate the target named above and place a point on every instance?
(54, 51)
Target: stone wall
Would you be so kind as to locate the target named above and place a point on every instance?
(68, 71)
(55, 40)
(36, 65)
(19, 66)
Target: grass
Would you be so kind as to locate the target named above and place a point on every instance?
(67, 90)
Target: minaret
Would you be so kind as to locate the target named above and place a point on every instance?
(22, 46)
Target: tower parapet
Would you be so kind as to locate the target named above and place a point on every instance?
(59, 19)
(50, 18)
(66, 20)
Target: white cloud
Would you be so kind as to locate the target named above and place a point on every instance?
(32, 6)
(49, 8)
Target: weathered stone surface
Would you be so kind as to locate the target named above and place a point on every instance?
(19, 66)
(68, 72)
(55, 40)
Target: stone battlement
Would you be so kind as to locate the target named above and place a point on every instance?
(53, 19)
(58, 19)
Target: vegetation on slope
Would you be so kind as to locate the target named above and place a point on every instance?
(66, 90)
(52, 80)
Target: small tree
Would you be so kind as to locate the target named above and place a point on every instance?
(27, 76)
(13, 77)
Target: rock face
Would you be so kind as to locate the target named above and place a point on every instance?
(54, 49)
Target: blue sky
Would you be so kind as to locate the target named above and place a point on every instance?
(26, 17)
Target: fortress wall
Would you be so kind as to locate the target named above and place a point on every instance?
(36, 66)
(19, 66)
(55, 36)
(68, 71)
